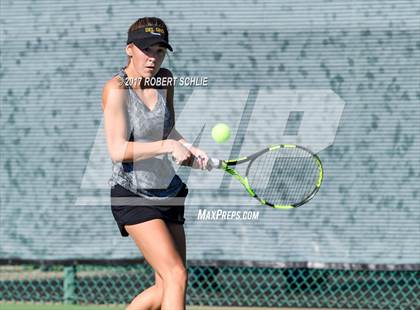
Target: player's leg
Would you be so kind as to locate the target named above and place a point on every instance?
(150, 295)
(150, 298)
(178, 234)
(155, 241)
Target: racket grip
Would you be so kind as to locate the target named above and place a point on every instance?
(187, 163)
(192, 162)
(213, 163)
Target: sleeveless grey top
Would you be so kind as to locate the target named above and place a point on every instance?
(155, 177)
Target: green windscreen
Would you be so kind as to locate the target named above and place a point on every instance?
(340, 78)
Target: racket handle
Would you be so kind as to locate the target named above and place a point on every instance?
(192, 162)
(187, 163)
(213, 163)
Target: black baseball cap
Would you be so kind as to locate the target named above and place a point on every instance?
(149, 35)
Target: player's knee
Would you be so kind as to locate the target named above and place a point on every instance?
(176, 275)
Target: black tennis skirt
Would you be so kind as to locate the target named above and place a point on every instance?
(129, 208)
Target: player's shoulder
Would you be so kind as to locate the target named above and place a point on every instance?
(110, 87)
(116, 82)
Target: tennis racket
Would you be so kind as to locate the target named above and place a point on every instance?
(282, 176)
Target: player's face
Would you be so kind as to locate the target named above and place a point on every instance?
(147, 61)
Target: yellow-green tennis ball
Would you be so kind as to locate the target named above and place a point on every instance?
(220, 133)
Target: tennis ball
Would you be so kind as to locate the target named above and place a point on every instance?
(220, 133)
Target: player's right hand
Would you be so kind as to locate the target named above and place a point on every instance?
(181, 154)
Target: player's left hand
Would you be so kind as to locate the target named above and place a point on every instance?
(201, 156)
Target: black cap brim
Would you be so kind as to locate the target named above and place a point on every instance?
(147, 42)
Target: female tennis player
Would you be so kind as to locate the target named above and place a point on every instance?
(147, 197)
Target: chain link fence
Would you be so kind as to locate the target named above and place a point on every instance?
(216, 286)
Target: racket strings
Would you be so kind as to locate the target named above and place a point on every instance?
(284, 176)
